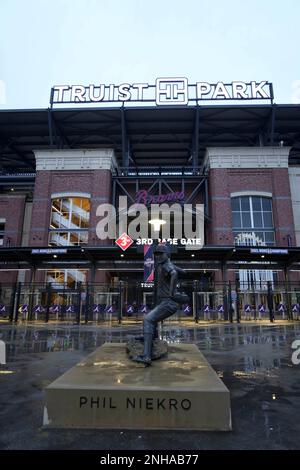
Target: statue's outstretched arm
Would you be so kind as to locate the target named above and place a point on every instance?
(180, 270)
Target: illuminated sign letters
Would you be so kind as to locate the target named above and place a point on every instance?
(173, 91)
(166, 91)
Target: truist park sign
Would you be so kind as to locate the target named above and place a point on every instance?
(166, 91)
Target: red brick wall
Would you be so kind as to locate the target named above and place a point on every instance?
(40, 209)
(12, 210)
(101, 193)
(102, 276)
(223, 182)
(95, 182)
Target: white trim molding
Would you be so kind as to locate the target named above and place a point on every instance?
(251, 193)
(70, 194)
(247, 157)
(78, 159)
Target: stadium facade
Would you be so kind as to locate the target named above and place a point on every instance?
(240, 160)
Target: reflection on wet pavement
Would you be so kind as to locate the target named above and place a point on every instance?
(32, 339)
(254, 361)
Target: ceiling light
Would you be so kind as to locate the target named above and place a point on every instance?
(157, 223)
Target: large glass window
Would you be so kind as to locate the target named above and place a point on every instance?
(252, 220)
(67, 277)
(69, 222)
(2, 230)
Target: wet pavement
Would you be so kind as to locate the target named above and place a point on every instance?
(253, 360)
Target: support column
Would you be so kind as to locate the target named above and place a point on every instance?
(78, 303)
(253, 294)
(206, 207)
(287, 294)
(125, 153)
(272, 125)
(48, 301)
(87, 304)
(270, 302)
(13, 302)
(224, 281)
(92, 272)
(237, 290)
(90, 293)
(121, 306)
(31, 292)
(230, 302)
(196, 140)
(195, 301)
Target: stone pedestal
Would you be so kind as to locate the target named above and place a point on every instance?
(107, 390)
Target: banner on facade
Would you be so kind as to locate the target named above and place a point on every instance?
(148, 263)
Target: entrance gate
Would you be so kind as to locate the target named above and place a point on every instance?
(208, 306)
(131, 301)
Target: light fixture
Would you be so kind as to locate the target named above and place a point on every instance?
(192, 255)
(157, 223)
(122, 256)
(54, 256)
(12, 189)
(262, 256)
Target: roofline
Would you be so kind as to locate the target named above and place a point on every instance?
(170, 107)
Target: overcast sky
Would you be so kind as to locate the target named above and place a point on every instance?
(50, 42)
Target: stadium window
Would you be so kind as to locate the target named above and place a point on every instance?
(69, 223)
(2, 231)
(252, 220)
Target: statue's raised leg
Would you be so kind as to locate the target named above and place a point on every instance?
(160, 312)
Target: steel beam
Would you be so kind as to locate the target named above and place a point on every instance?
(50, 127)
(196, 140)
(125, 153)
(273, 116)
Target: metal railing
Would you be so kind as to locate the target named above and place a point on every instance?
(129, 301)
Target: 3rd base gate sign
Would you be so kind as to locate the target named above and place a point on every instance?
(166, 91)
